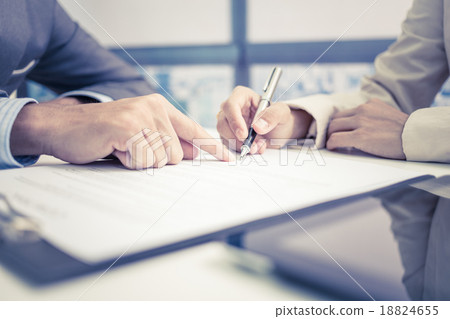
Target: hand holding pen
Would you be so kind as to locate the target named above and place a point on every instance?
(264, 102)
(239, 115)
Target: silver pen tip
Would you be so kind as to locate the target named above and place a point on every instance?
(244, 151)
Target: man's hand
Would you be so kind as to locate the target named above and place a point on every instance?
(276, 122)
(374, 127)
(67, 101)
(142, 132)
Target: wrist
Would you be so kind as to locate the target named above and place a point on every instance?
(301, 122)
(71, 100)
(30, 130)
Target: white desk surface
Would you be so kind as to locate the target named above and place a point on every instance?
(205, 272)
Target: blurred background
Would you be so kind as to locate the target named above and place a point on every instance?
(198, 50)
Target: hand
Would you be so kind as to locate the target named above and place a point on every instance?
(158, 132)
(278, 121)
(72, 100)
(374, 127)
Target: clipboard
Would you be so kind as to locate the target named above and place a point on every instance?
(366, 248)
(40, 263)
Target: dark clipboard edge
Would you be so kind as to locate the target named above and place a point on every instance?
(26, 259)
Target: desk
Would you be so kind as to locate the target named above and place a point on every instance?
(206, 272)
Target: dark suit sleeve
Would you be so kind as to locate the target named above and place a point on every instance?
(75, 61)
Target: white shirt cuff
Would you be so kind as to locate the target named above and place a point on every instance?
(93, 95)
(9, 109)
(320, 107)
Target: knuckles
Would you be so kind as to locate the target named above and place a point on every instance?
(331, 141)
(130, 116)
(360, 120)
(122, 120)
(371, 105)
(155, 100)
(363, 108)
(127, 121)
(224, 105)
(240, 89)
(175, 156)
(133, 113)
(219, 125)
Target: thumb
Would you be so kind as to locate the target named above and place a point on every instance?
(273, 116)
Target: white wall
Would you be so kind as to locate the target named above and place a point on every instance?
(140, 23)
(311, 20)
(178, 22)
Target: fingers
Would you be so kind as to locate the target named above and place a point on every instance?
(373, 108)
(227, 135)
(171, 147)
(343, 140)
(193, 133)
(262, 147)
(271, 124)
(346, 129)
(345, 113)
(237, 110)
(122, 156)
(137, 152)
(374, 127)
(150, 148)
(237, 113)
(169, 135)
(160, 148)
(342, 124)
(259, 145)
(273, 116)
(190, 151)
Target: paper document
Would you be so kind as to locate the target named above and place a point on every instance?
(98, 211)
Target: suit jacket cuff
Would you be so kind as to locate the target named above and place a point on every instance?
(425, 135)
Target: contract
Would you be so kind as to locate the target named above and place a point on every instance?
(102, 210)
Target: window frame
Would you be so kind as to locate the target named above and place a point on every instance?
(241, 54)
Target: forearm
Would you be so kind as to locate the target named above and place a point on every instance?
(31, 127)
(27, 131)
(68, 101)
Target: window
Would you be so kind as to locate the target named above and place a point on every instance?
(197, 64)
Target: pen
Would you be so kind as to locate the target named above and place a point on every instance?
(266, 97)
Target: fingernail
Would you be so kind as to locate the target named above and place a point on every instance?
(262, 124)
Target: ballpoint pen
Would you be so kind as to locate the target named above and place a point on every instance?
(266, 97)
